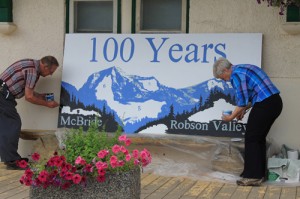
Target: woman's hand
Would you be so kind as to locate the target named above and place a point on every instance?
(238, 113)
(241, 115)
(227, 118)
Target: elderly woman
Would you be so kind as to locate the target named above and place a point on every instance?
(252, 88)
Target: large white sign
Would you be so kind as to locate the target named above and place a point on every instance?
(152, 83)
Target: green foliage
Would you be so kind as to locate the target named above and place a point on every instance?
(88, 144)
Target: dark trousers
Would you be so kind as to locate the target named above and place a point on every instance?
(261, 118)
(10, 127)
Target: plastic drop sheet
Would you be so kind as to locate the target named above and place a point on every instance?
(198, 157)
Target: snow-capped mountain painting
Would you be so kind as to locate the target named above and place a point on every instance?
(138, 103)
(156, 84)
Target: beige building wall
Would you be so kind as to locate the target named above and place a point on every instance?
(40, 31)
(280, 54)
(41, 27)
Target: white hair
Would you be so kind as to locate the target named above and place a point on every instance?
(220, 65)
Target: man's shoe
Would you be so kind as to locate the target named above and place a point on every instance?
(242, 174)
(249, 182)
(26, 159)
(13, 166)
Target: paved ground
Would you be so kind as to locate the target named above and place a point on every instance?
(191, 168)
(157, 186)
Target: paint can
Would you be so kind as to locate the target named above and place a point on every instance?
(227, 112)
(49, 97)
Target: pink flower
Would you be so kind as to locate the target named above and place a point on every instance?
(124, 150)
(66, 185)
(116, 149)
(113, 164)
(27, 180)
(35, 156)
(101, 165)
(127, 142)
(102, 154)
(69, 176)
(101, 172)
(68, 166)
(121, 163)
(28, 173)
(76, 179)
(146, 157)
(79, 160)
(59, 173)
(22, 164)
(113, 161)
(128, 157)
(144, 154)
(101, 178)
(136, 162)
(88, 168)
(55, 161)
(51, 162)
(135, 153)
(43, 176)
(63, 158)
(122, 138)
(37, 182)
(63, 173)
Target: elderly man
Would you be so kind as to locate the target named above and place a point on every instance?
(252, 88)
(16, 81)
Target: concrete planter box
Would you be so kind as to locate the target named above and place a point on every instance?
(125, 185)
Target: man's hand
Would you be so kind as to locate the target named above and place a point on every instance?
(38, 99)
(52, 104)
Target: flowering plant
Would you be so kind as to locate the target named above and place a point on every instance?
(283, 4)
(86, 154)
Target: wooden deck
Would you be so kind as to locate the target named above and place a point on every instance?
(156, 187)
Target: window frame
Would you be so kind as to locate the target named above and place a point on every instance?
(290, 27)
(116, 15)
(6, 14)
(136, 21)
(291, 10)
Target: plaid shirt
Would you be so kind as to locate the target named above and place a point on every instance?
(251, 84)
(21, 74)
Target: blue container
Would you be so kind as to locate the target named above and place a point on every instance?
(49, 97)
(227, 112)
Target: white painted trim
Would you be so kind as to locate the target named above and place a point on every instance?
(292, 28)
(138, 20)
(71, 13)
(7, 27)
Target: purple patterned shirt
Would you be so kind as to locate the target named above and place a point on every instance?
(21, 74)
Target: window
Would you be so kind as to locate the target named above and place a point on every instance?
(292, 13)
(291, 20)
(159, 16)
(6, 11)
(94, 16)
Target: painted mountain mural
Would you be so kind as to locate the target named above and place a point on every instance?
(137, 103)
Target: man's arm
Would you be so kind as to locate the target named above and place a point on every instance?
(38, 99)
